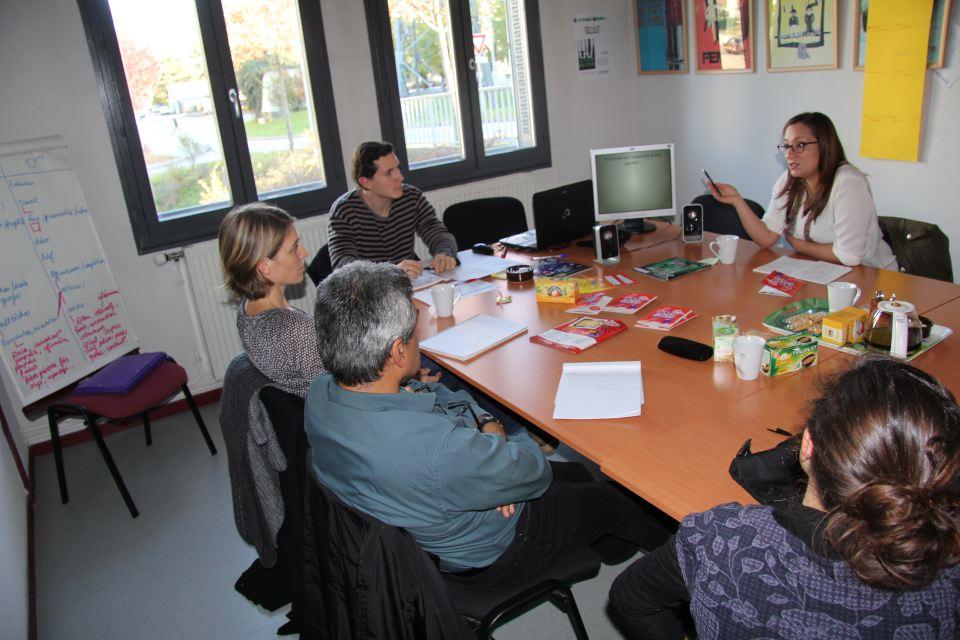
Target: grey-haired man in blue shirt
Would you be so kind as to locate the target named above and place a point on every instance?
(429, 460)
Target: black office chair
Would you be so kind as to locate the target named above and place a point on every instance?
(420, 597)
(485, 609)
(921, 248)
(286, 417)
(484, 220)
(320, 267)
(722, 218)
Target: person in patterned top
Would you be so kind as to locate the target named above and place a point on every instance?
(871, 552)
(378, 220)
(261, 254)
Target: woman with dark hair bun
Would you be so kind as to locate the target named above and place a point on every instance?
(821, 204)
(871, 552)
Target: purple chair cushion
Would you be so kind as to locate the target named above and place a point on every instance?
(121, 376)
(158, 386)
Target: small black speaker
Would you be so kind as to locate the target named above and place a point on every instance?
(686, 348)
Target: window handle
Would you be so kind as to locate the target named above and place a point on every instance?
(472, 64)
(235, 101)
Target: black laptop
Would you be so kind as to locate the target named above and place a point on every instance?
(559, 216)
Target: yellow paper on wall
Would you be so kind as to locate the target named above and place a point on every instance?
(896, 70)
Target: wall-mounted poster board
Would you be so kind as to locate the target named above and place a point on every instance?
(61, 315)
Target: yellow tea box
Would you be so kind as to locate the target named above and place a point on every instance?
(858, 328)
(725, 329)
(789, 353)
(835, 327)
(847, 325)
(556, 289)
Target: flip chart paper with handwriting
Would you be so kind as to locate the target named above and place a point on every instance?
(61, 315)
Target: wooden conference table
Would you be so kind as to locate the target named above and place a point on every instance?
(696, 415)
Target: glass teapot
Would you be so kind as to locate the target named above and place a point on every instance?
(895, 327)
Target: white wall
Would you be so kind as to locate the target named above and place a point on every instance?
(732, 123)
(13, 551)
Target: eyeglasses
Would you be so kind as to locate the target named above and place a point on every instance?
(796, 147)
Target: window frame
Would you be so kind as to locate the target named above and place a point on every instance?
(475, 165)
(150, 234)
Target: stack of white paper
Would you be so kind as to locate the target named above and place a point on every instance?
(472, 337)
(599, 390)
(476, 265)
(816, 271)
(466, 289)
(426, 279)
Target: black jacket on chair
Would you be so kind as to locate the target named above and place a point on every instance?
(366, 579)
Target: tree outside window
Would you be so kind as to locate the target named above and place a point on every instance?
(466, 85)
(209, 136)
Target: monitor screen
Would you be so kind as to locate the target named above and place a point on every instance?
(633, 182)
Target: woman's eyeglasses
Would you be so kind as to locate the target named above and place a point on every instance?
(796, 147)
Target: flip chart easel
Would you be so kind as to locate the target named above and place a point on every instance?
(61, 314)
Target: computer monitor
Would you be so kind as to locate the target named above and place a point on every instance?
(633, 183)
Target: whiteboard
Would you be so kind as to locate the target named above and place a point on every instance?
(61, 314)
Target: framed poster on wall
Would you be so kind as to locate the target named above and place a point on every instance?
(660, 27)
(723, 31)
(801, 35)
(939, 27)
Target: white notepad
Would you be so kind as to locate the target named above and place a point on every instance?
(599, 390)
(472, 337)
(816, 271)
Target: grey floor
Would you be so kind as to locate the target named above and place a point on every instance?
(169, 574)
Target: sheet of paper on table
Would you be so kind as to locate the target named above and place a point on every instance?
(816, 271)
(476, 265)
(472, 337)
(599, 390)
(466, 290)
(426, 279)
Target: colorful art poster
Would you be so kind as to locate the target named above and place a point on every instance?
(802, 35)
(939, 28)
(724, 35)
(661, 30)
(592, 34)
(894, 84)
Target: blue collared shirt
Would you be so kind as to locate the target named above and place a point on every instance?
(412, 461)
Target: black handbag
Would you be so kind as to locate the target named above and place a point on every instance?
(773, 475)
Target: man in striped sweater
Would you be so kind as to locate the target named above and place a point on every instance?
(377, 220)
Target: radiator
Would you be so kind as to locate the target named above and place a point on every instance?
(217, 311)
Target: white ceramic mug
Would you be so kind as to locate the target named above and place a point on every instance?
(725, 248)
(841, 295)
(747, 356)
(445, 295)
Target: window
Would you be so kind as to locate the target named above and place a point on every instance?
(461, 86)
(213, 103)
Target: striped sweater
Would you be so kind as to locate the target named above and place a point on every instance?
(354, 232)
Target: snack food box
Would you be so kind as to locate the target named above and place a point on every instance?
(556, 289)
(789, 353)
(725, 329)
(846, 325)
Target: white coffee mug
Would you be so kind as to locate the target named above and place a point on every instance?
(841, 295)
(747, 356)
(725, 248)
(445, 295)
